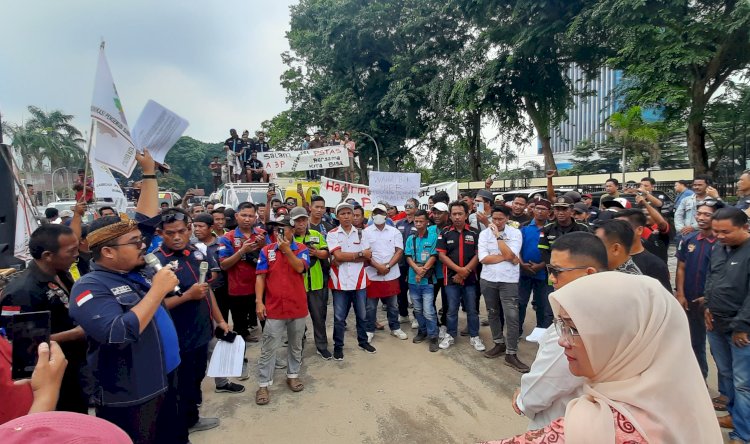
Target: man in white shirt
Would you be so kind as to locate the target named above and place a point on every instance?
(499, 246)
(348, 280)
(386, 246)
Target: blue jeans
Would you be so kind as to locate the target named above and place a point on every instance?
(342, 302)
(391, 303)
(541, 300)
(733, 365)
(423, 298)
(466, 295)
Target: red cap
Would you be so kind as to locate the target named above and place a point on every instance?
(61, 428)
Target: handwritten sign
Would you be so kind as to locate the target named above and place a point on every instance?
(394, 188)
(425, 192)
(313, 159)
(333, 191)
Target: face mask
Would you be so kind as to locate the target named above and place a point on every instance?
(378, 219)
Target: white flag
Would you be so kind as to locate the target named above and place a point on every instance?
(114, 146)
(105, 186)
(25, 225)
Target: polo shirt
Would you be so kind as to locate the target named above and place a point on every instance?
(346, 275)
(504, 271)
(695, 251)
(551, 232)
(460, 247)
(285, 295)
(313, 277)
(420, 249)
(192, 319)
(241, 277)
(530, 248)
(383, 243)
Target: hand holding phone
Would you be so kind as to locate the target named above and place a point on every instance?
(29, 330)
(47, 376)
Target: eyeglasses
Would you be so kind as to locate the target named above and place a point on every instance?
(709, 203)
(566, 332)
(409, 206)
(171, 217)
(555, 271)
(140, 242)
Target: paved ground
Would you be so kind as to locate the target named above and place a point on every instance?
(401, 394)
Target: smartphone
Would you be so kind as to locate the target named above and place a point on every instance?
(28, 331)
(281, 232)
(228, 337)
(271, 186)
(480, 208)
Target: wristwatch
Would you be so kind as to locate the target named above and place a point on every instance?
(388, 266)
(360, 254)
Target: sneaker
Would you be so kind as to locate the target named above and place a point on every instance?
(434, 345)
(338, 354)
(230, 387)
(245, 373)
(414, 324)
(204, 424)
(368, 348)
(447, 341)
(420, 337)
(325, 354)
(370, 336)
(464, 332)
(403, 319)
(476, 341)
(442, 332)
(513, 362)
(399, 334)
(495, 351)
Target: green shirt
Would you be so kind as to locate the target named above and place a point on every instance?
(314, 276)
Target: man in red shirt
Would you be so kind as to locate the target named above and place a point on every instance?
(280, 279)
(238, 256)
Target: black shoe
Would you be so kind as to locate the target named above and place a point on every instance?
(464, 332)
(325, 354)
(485, 323)
(434, 345)
(420, 337)
(495, 351)
(338, 354)
(367, 347)
(230, 387)
(514, 362)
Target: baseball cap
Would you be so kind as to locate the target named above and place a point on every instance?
(587, 196)
(61, 428)
(563, 201)
(580, 207)
(344, 206)
(66, 213)
(619, 202)
(575, 195)
(440, 206)
(281, 219)
(380, 207)
(486, 195)
(296, 213)
(499, 198)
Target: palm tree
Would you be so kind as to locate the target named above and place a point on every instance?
(633, 135)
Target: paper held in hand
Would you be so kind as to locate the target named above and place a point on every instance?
(157, 129)
(226, 360)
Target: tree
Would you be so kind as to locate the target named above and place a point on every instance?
(727, 124)
(678, 54)
(189, 159)
(633, 136)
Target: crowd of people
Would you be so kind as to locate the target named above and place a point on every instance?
(622, 354)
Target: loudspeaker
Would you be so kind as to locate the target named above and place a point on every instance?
(8, 204)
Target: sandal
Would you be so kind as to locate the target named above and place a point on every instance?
(720, 403)
(294, 384)
(261, 396)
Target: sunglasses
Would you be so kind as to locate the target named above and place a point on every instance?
(171, 217)
(709, 203)
(555, 271)
(409, 206)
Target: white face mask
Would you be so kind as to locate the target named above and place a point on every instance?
(378, 219)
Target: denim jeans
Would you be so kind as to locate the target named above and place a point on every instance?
(466, 295)
(541, 300)
(697, 324)
(733, 365)
(343, 300)
(423, 298)
(391, 304)
(501, 299)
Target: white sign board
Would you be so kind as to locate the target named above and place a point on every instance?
(394, 188)
(333, 191)
(157, 130)
(425, 192)
(105, 186)
(335, 156)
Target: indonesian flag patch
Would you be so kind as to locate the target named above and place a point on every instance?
(10, 310)
(84, 297)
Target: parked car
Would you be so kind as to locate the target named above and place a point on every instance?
(532, 193)
(666, 210)
(232, 194)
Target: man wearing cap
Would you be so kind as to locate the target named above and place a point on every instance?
(581, 214)
(348, 280)
(133, 350)
(564, 223)
(281, 300)
(534, 270)
(66, 216)
(317, 294)
(588, 200)
(385, 245)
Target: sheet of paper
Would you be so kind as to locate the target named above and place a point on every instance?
(226, 360)
(157, 129)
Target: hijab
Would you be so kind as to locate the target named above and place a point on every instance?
(637, 338)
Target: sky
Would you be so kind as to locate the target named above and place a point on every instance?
(217, 64)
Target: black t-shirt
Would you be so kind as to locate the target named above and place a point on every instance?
(657, 243)
(460, 247)
(523, 219)
(654, 267)
(254, 164)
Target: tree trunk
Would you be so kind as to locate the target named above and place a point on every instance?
(475, 145)
(540, 120)
(549, 158)
(696, 141)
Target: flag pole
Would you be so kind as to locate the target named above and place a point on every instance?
(87, 167)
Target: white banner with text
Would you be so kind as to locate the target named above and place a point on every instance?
(305, 160)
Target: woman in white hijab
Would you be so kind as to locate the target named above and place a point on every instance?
(629, 338)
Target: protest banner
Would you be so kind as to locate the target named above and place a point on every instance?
(322, 158)
(106, 187)
(394, 188)
(114, 146)
(333, 191)
(158, 129)
(425, 192)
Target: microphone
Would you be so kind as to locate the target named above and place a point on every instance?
(154, 263)
(203, 271)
